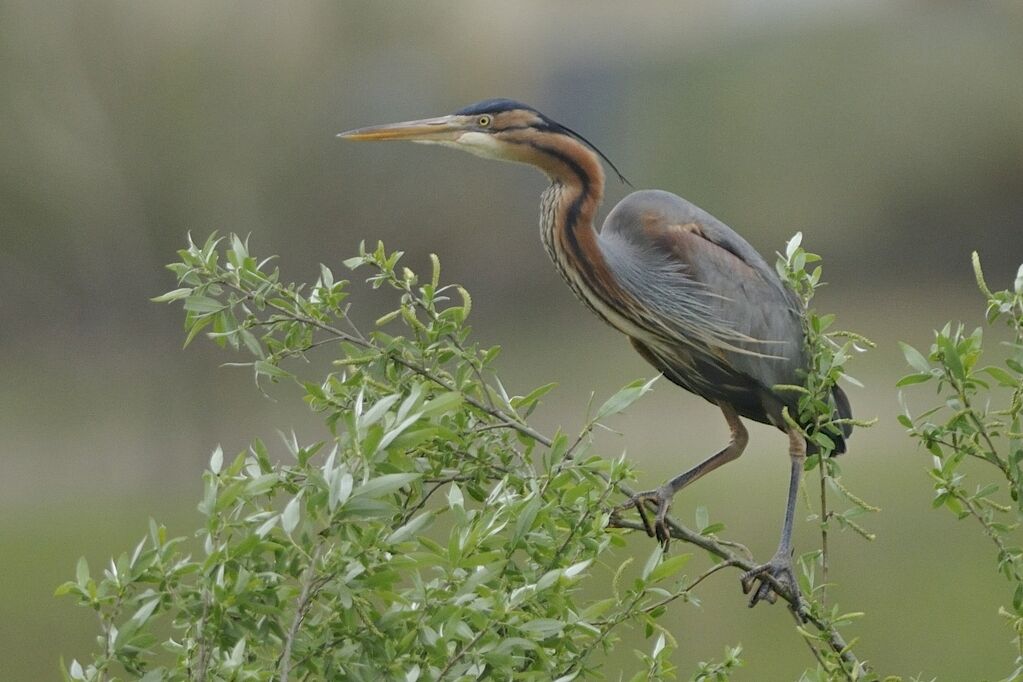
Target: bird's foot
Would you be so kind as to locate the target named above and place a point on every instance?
(764, 580)
(660, 500)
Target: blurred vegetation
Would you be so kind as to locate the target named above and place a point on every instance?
(888, 132)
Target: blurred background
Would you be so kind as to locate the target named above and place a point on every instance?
(889, 132)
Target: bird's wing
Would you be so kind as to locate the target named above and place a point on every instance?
(709, 290)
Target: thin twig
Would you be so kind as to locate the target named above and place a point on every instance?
(301, 607)
(689, 588)
(825, 517)
(438, 484)
(204, 653)
(461, 653)
(834, 639)
(991, 532)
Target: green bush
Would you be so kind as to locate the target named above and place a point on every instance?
(435, 535)
(977, 418)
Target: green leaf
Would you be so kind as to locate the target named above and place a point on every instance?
(382, 485)
(533, 395)
(217, 460)
(575, 569)
(658, 646)
(625, 397)
(989, 489)
(1001, 376)
(292, 514)
(793, 244)
(455, 497)
(442, 404)
(326, 276)
(911, 379)
(669, 567)
(251, 342)
(824, 441)
(398, 430)
(379, 409)
(174, 295)
(267, 525)
(352, 263)
(525, 519)
(548, 579)
(542, 628)
(702, 517)
(66, 588)
(145, 611)
(652, 561)
(410, 529)
(261, 484)
(203, 304)
(340, 489)
(237, 654)
(598, 608)
(915, 359)
(82, 572)
(951, 358)
(415, 436)
(271, 370)
(197, 325)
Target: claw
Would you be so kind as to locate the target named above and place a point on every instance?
(766, 578)
(660, 499)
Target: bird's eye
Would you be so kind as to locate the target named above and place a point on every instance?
(483, 121)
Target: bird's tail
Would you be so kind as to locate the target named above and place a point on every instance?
(843, 410)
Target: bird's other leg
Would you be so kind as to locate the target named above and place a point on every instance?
(660, 498)
(762, 579)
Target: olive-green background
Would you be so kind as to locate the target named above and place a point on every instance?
(890, 133)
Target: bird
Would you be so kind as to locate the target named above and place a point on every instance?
(692, 296)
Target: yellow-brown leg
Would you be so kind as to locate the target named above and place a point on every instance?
(660, 498)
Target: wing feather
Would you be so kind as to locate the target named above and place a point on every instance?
(730, 327)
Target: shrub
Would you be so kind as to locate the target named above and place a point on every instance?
(977, 418)
(435, 535)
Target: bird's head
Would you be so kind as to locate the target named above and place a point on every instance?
(494, 129)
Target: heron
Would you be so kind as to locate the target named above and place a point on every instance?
(694, 298)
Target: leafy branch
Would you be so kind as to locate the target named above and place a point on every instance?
(434, 535)
(967, 424)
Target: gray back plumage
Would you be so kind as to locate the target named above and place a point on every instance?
(717, 318)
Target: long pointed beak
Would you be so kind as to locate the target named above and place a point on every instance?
(440, 129)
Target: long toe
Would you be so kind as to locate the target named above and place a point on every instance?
(660, 500)
(764, 581)
(661, 521)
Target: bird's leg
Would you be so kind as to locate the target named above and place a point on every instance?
(762, 579)
(660, 498)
